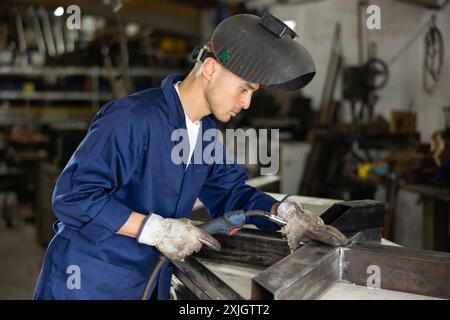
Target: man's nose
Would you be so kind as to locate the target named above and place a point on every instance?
(245, 101)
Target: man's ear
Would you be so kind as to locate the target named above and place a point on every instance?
(209, 68)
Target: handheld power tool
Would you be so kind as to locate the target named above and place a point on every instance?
(230, 223)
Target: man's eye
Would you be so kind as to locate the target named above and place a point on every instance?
(244, 90)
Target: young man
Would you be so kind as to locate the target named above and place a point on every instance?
(121, 199)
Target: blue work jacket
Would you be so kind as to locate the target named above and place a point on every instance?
(122, 165)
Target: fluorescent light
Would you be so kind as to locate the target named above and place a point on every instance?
(59, 11)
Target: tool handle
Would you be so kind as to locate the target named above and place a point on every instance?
(227, 224)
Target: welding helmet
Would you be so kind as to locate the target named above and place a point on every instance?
(260, 50)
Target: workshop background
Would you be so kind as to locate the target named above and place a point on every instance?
(373, 124)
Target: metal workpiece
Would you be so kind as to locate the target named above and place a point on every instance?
(360, 220)
(249, 247)
(304, 274)
(421, 272)
(354, 216)
(312, 270)
(201, 282)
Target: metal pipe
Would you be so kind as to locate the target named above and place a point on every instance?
(47, 31)
(360, 27)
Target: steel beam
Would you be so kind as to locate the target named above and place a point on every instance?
(203, 284)
(314, 268)
(354, 216)
(414, 271)
(304, 274)
(249, 247)
(311, 270)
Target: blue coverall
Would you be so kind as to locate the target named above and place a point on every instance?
(123, 165)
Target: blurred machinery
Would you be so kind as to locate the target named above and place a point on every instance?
(433, 57)
(440, 149)
(360, 84)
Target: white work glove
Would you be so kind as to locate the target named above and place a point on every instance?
(174, 238)
(301, 222)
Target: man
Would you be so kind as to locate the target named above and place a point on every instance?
(121, 199)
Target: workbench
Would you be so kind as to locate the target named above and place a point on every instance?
(240, 278)
(422, 218)
(316, 271)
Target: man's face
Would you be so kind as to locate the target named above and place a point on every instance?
(227, 94)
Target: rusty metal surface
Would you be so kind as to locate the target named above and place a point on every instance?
(201, 282)
(249, 247)
(311, 270)
(304, 274)
(354, 216)
(314, 268)
(413, 271)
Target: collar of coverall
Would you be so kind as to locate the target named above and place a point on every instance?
(175, 111)
(174, 107)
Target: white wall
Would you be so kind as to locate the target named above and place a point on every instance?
(399, 22)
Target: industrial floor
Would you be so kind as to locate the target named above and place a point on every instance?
(20, 257)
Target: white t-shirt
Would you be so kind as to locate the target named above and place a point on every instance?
(192, 129)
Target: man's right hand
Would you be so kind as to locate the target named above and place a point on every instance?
(175, 238)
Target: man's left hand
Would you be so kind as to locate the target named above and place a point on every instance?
(301, 222)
